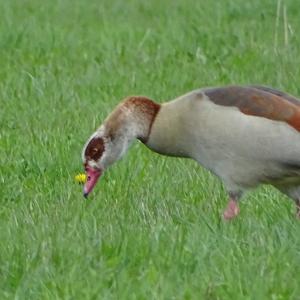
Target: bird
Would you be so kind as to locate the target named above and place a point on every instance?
(245, 135)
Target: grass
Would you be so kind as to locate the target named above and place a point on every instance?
(152, 228)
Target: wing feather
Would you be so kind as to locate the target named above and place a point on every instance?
(258, 101)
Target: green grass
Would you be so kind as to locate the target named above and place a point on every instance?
(152, 227)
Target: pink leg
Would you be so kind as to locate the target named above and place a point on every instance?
(232, 209)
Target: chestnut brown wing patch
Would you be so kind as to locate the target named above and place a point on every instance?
(257, 102)
(286, 96)
(94, 149)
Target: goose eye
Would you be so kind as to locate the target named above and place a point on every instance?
(94, 149)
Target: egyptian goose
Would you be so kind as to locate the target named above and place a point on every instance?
(244, 135)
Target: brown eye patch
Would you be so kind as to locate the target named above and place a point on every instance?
(94, 149)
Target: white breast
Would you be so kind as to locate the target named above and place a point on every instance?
(239, 148)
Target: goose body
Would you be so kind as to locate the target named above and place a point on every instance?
(244, 135)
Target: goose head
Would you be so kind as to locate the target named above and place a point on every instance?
(130, 120)
(101, 151)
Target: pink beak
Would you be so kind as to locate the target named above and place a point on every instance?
(92, 178)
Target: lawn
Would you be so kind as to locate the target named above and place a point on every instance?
(152, 228)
